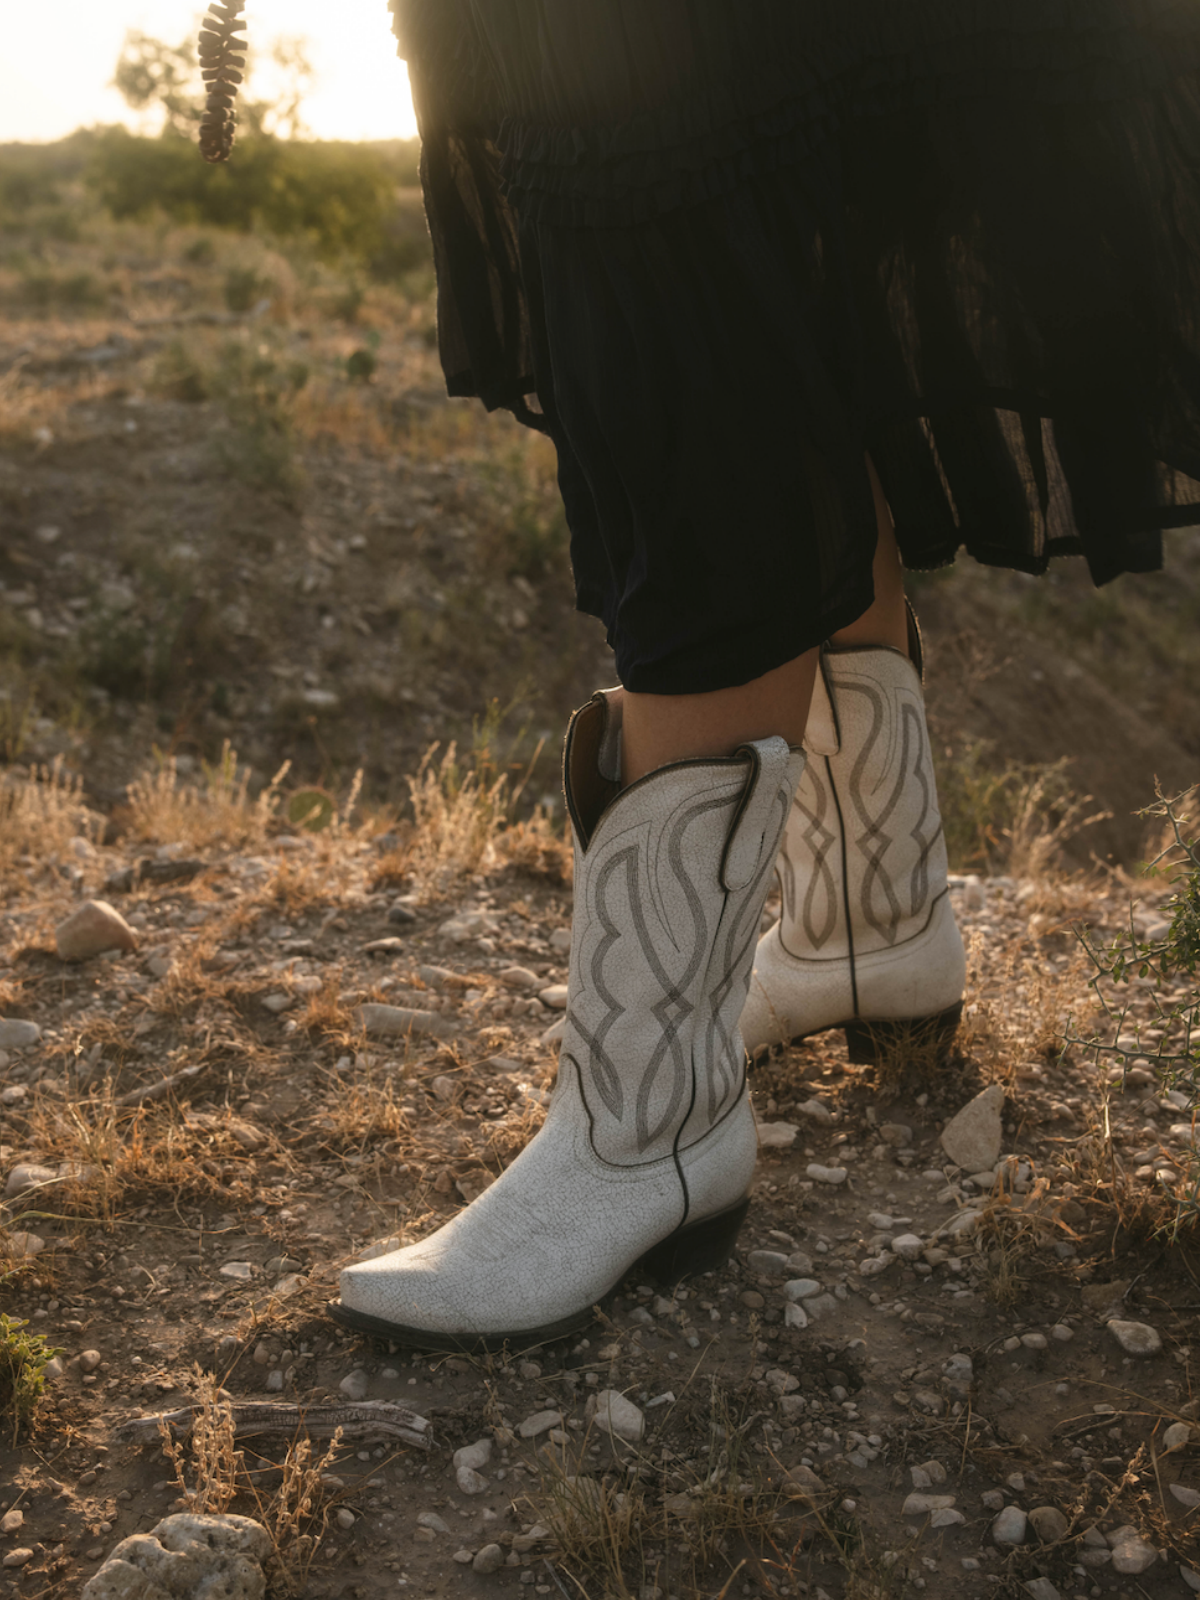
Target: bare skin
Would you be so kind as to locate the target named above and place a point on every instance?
(660, 728)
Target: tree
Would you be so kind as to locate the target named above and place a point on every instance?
(152, 73)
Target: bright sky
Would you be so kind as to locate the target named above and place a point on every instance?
(58, 59)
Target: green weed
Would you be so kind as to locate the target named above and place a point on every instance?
(24, 1358)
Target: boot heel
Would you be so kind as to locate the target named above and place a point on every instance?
(702, 1247)
(925, 1041)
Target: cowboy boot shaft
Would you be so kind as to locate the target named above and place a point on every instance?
(669, 886)
(864, 854)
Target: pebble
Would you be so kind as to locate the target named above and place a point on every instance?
(11, 1521)
(1048, 1523)
(1177, 1435)
(401, 916)
(17, 1558)
(489, 1559)
(920, 1505)
(1034, 1341)
(619, 1416)
(90, 930)
(1130, 1552)
(1062, 1333)
(277, 1002)
(560, 940)
(1041, 1589)
(795, 1316)
(752, 1300)
(518, 978)
(463, 1557)
(908, 1246)
(820, 1305)
(345, 1518)
(474, 1456)
(973, 1137)
(274, 1383)
(777, 1135)
(555, 997)
(430, 1519)
(25, 1175)
(1188, 1498)
(354, 1385)
(771, 1262)
(18, 1243)
(801, 1288)
(1191, 1577)
(803, 1483)
(1136, 1338)
(1010, 1526)
(242, 1271)
(820, 1174)
(390, 1022)
(816, 1111)
(540, 1422)
(15, 1033)
(469, 1481)
(89, 1360)
(946, 1518)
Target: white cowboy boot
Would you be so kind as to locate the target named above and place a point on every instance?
(647, 1151)
(867, 939)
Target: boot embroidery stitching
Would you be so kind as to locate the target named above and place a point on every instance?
(922, 777)
(820, 839)
(725, 1055)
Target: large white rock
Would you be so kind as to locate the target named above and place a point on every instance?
(186, 1556)
(972, 1139)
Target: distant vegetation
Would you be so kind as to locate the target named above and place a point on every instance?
(341, 199)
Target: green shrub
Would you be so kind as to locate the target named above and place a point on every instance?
(24, 1358)
(340, 198)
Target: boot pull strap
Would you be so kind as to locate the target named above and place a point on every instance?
(761, 810)
(822, 734)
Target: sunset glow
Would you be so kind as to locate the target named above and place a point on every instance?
(58, 61)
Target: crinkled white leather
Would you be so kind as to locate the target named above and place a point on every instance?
(650, 1125)
(867, 928)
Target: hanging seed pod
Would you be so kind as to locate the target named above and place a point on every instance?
(222, 66)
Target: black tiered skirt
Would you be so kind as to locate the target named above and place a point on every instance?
(723, 251)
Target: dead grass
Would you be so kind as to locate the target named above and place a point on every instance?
(40, 814)
(164, 810)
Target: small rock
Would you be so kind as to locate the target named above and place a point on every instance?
(469, 1481)
(25, 1175)
(1041, 1589)
(401, 916)
(354, 1385)
(89, 1360)
(801, 1288)
(277, 1002)
(17, 1558)
(15, 1033)
(1034, 1341)
(1048, 1523)
(920, 1505)
(391, 1022)
(777, 1135)
(1130, 1552)
(518, 978)
(1191, 1577)
(19, 1243)
(345, 1518)
(946, 1517)
(802, 1483)
(815, 1111)
(820, 1174)
(933, 1470)
(1136, 1338)
(1062, 1333)
(556, 998)
(820, 1305)
(475, 1456)
(908, 1246)
(11, 1521)
(463, 1557)
(1188, 1498)
(972, 1139)
(992, 1500)
(489, 1559)
(769, 1262)
(241, 1271)
(1177, 1435)
(274, 1384)
(1010, 1526)
(430, 1519)
(619, 1416)
(90, 930)
(540, 1422)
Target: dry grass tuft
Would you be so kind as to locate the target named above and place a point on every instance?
(39, 816)
(163, 810)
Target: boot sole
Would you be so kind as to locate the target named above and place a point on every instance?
(701, 1247)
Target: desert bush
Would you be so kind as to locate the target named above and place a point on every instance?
(24, 1358)
(338, 197)
(1009, 816)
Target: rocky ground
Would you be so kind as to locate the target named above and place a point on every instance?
(949, 1355)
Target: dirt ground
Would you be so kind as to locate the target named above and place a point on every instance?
(202, 1234)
